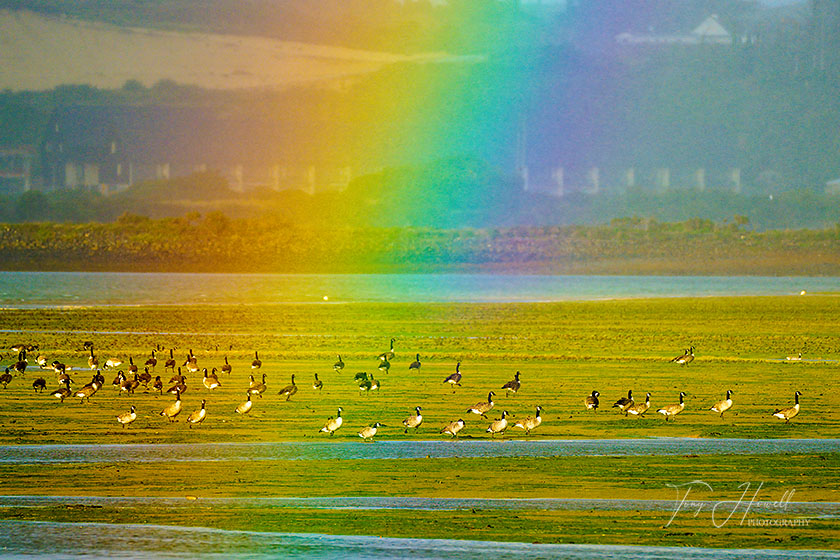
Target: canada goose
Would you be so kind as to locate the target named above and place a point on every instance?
(787, 413)
(63, 377)
(530, 422)
(127, 418)
(724, 405)
(289, 390)
(93, 361)
(180, 385)
(369, 384)
(453, 428)
(413, 421)
(245, 408)
(680, 357)
(384, 364)
(190, 357)
(333, 423)
(416, 363)
(42, 362)
(132, 367)
(624, 402)
(111, 363)
(145, 377)
(170, 363)
(257, 363)
(389, 355)
(499, 426)
(88, 390)
(177, 388)
(317, 384)
(197, 416)
(178, 377)
(591, 402)
(158, 384)
(17, 348)
(211, 382)
(796, 358)
(640, 408)
(368, 432)
(686, 358)
(192, 364)
(99, 378)
(483, 407)
(339, 365)
(455, 378)
(6, 378)
(88, 344)
(258, 388)
(58, 367)
(62, 392)
(173, 409)
(360, 376)
(226, 368)
(673, 409)
(118, 380)
(135, 382)
(126, 385)
(513, 385)
(151, 362)
(39, 384)
(21, 363)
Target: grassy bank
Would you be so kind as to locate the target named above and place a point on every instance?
(215, 243)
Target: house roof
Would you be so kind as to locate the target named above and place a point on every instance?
(711, 28)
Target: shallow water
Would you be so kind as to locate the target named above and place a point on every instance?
(57, 289)
(144, 453)
(52, 540)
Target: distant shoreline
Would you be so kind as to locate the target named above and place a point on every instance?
(243, 246)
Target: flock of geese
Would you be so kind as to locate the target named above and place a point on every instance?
(129, 379)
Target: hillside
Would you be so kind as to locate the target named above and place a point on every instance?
(41, 52)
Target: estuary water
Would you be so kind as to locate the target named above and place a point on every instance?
(62, 289)
(381, 450)
(51, 540)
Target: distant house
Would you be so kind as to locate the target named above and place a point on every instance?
(16, 164)
(709, 32)
(110, 148)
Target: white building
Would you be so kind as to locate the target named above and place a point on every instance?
(709, 32)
